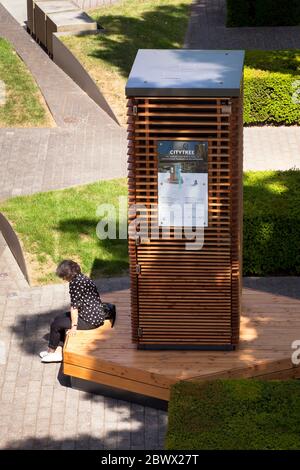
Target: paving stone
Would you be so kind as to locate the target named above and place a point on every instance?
(41, 167)
(207, 30)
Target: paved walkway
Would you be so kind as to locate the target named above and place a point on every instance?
(18, 8)
(207, 30)
(85, 146)
(37, 408)
(271, 148)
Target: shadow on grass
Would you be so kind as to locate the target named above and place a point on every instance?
(162, 28)
(285, 61)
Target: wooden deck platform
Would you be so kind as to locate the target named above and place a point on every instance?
(269, 325)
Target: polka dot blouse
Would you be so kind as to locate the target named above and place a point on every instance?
(85, 298)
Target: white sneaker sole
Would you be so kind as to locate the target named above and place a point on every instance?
(52, 357)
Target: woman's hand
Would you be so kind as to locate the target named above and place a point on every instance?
(72, 331)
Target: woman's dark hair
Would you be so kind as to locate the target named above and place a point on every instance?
(68, 269)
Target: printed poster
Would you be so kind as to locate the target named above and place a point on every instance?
(182, 183)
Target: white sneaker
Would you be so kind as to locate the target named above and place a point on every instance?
(43, 354)
(53, 357)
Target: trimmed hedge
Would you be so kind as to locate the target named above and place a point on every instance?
(263, 13)
(268, 99)
(234, 415)
(269, 89)
(239, 13)
(271, 229)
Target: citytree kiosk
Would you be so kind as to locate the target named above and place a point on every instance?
(185, 132)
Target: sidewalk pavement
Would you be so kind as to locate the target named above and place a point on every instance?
(38, 409)
(207, 30)
(86, 146)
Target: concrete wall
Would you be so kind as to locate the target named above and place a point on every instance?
(64, 58)
(86, 4)
(13, 243)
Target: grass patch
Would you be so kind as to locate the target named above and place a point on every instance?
(21, 103)
(234, 415)
(130, 25)
(133, 25)
(62, 224)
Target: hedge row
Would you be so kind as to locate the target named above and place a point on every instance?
(271, 245)
(263, 13)
(234, 415)
(271, 234)
(268, 98)
(271, 91)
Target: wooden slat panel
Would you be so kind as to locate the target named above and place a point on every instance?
(199, 289)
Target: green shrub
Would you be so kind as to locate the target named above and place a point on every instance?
(271, 235)
(277, 13)
(239, 13)
(268, 98)
(263, 13)
(271, 246)
(234, 415)
(268, 90)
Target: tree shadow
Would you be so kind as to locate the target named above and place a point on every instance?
(124, 36)
(121, 440)
(285, 61)
(286, 286)
(119, 425)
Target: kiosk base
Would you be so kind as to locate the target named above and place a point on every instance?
(107, 356)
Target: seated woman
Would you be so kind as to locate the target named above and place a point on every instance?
(87, 311)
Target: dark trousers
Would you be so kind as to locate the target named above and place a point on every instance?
(62, 323)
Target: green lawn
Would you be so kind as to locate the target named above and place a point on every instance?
(130, 25)
(234, 415)
(62, 224)
(134, 24)
(21, 103)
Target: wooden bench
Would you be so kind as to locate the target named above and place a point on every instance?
(270, 323)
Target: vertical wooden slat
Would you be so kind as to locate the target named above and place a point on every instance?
(131, 201)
